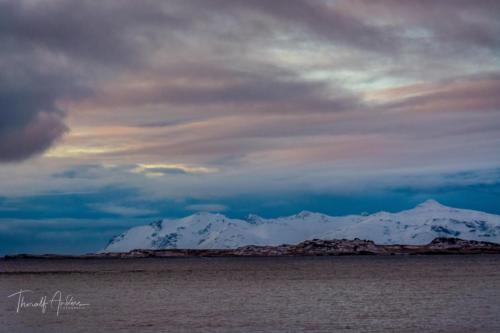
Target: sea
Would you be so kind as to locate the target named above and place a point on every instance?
(441, 293)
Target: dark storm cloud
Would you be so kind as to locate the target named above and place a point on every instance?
(49, 51)
(38, 135)
(30, 120)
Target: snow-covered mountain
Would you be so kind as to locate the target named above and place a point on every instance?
(419, 225)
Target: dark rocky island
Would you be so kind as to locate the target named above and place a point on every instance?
(315, 247)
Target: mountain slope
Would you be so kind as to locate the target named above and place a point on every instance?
(215, 231)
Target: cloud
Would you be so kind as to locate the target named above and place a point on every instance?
(158, 170)
(31, 86)
(30, 118)
(34, 137)
(122, 210)
(476, 93)
(322, 19)
(207, 207)
(53, 52)
(450, 23)
(190, 62)
(79, 172)
(268, 89)
(84, 30)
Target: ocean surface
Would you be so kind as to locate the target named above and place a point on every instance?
(311, 294)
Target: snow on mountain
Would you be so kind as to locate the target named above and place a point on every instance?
(419, 225)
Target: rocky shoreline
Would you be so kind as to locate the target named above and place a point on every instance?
(315, 247)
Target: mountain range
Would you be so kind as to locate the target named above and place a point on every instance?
(416, 226)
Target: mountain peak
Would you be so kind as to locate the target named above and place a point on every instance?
(304, 214)
(206, 213)
(253, 218)
(430, 203)
(205, 216)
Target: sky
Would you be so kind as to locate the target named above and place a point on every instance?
(119, 113)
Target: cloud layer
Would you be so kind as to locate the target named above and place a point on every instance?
(217, 98)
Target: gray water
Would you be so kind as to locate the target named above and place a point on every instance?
(327, 294)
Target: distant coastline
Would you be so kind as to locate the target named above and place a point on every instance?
(315, 247)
